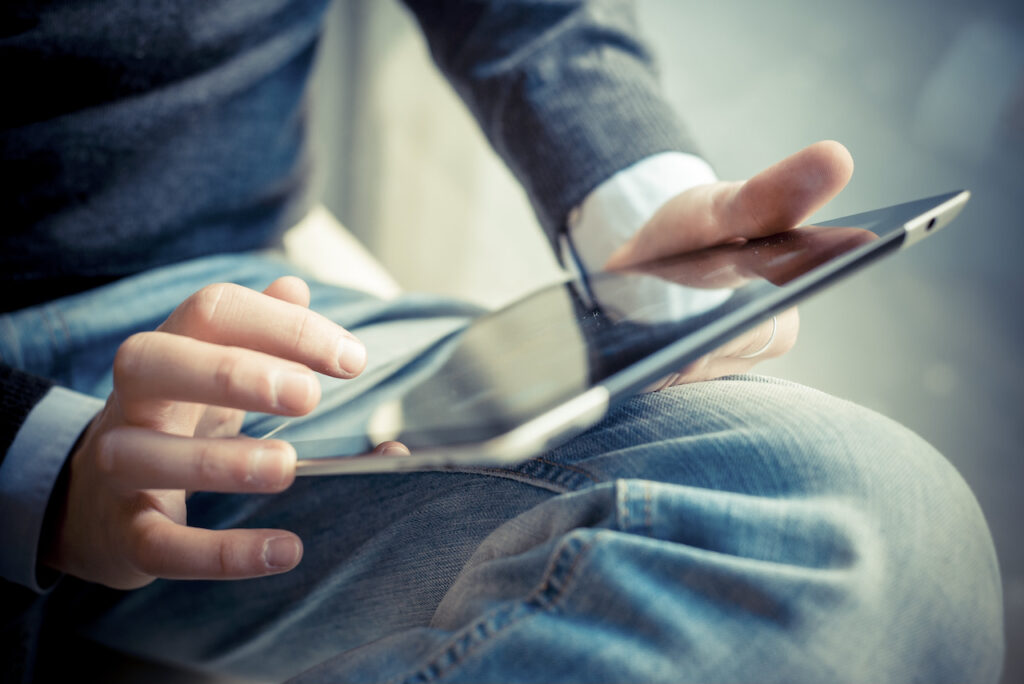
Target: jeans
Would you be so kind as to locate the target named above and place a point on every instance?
(744, 529)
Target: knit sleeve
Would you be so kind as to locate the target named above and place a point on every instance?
(566, 92)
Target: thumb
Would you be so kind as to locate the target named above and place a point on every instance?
(776, 199)
(290, 289)
(786, 193)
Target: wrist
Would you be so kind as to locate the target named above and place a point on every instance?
(614, 211)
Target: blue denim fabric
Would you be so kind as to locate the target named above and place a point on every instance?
(745, 529)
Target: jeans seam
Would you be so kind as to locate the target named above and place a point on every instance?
(622, 501)
(571, 468)
(519, 475)
(480, 632)
(569, 477)
(504, 474)
(648, 505)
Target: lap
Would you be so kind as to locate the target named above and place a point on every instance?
(721, 529)
(732, 524)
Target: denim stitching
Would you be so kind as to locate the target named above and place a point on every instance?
(505, 474)
(570, 476)
(565, 478)
(571, 468)
(648, 496)
(545, 597)
(622, 504)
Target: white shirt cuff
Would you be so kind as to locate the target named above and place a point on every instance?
(621, 205)
(29, 472)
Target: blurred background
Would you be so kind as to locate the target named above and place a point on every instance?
(928, 96)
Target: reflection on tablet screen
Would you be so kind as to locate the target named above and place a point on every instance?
(517, 363)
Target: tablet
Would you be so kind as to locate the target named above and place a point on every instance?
(526, 378)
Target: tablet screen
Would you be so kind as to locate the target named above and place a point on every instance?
(616, 329)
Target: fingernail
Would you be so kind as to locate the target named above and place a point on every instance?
(395, 450)
(293, 390)
(351, 356)
(281, 552)
(268, 468)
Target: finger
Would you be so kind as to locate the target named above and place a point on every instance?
(717, 367)
(776, 199)
(391, 448)
(163, 548)
(217, 421)
(137, 458)
(289, 289)
(709, 367)
(728, 359)
(159, 367)
(782, 258)
(234, 315)
(767, 340)
(786, 193)
(669, 380)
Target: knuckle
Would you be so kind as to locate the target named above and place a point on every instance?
(264, 390)
(107, 450)
(215, 468)
(203, 307)
(130, 356)
(231, 556)
(303, 331)
(227, 371)
(144, 549)
(235, 379)
(206, 466)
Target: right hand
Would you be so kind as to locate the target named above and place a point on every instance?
(773, 201)
(171, 425)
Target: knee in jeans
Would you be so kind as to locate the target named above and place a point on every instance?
(938, 576)
(934, 589)
(928, 587)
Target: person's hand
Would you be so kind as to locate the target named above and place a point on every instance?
(171, 424)
(777, 199)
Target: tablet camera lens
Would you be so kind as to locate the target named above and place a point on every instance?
(931, 224)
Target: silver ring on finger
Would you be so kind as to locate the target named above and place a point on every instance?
(771, 338)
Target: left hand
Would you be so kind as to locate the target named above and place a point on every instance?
(777, 199)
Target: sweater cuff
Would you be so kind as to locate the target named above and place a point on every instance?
(28, 475)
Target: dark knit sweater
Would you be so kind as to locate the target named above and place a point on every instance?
(136, 134)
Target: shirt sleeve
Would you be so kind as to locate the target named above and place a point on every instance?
(621, 205)
(28, 474)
